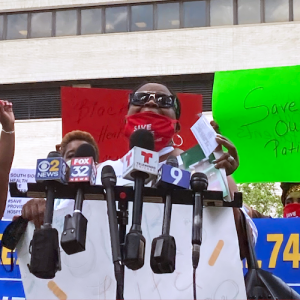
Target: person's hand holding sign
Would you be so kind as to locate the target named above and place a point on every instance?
(229, 160)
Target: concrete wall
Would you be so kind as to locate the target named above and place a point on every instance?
(165, 52)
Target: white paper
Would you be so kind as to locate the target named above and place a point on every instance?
(14, 205)
(217, 155)
(205, 135)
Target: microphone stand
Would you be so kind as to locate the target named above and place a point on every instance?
(122, 215)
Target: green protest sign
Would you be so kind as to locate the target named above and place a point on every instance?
(259, 111)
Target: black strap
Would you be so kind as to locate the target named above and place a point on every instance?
(251, 256)
(11, 260)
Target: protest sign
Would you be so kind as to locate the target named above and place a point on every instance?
(89, 274)
(259, 111)
(101, 112)
(14, 205)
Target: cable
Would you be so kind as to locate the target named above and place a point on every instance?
(194, 284)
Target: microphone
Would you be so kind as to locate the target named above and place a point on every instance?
(109, 180)
(62, 177)
(199, 183)
(140, 164)
(163, 250)
(44, 246)
(82, 173)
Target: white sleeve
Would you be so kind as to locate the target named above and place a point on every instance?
(61, 203)
(251, 223)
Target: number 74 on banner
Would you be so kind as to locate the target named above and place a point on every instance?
(290, 252)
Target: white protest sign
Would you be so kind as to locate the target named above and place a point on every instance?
(89, 274)
(14, 205)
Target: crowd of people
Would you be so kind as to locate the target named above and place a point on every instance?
(150, 103)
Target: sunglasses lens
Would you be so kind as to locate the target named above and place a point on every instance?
(162, 100)
(139, 98)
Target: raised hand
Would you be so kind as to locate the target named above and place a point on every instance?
(7, 118)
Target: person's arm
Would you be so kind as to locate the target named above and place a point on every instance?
(7, 149)
(230, 162)
(238, 221)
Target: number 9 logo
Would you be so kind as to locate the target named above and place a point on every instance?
(176, 174)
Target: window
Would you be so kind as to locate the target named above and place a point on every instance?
(141, 17)
(16, 26)
(91, 21)
(276, 10)
(221, 12)
(66, 22)
(1, 26)
(116, 19)
(194, 13)
(41, 24)
(168, 16)
(248, 11)
(296, 9)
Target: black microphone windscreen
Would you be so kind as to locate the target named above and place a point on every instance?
(199, 176)
(85, 150)
(108, 171)
(172, 161)
(199, 182)
(54, 154)
(142, 138)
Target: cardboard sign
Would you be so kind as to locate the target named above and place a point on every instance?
(102, 113)
(259, 111)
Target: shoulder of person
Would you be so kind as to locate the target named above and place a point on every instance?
(117, 166)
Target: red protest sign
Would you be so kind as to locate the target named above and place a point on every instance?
(102, 113)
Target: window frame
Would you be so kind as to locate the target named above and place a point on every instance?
(129, 6)
(6, 23)
(80, 19)
(77, 21)
(52, 11)
(128, 17)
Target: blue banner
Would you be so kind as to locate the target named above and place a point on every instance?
(277, 250)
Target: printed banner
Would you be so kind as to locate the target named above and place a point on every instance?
(278, 249)
(259, 111)
(11, 287)
(101, 112)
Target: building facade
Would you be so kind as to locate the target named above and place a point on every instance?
(118, 44)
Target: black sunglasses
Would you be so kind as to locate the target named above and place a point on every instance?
(162, 100)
